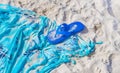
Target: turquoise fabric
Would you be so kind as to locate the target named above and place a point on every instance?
(23, 33)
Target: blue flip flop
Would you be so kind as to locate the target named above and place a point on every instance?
(64, 31)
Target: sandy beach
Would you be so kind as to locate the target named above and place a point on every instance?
(102, 20)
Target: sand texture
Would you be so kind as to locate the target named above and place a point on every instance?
(102, 19)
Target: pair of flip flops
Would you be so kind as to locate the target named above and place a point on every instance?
(64, 31)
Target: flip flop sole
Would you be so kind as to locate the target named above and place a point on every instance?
(76, 27)
(54, 37)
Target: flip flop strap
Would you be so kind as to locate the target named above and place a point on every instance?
(63, 29)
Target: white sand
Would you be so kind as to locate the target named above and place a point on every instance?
(102, 19)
